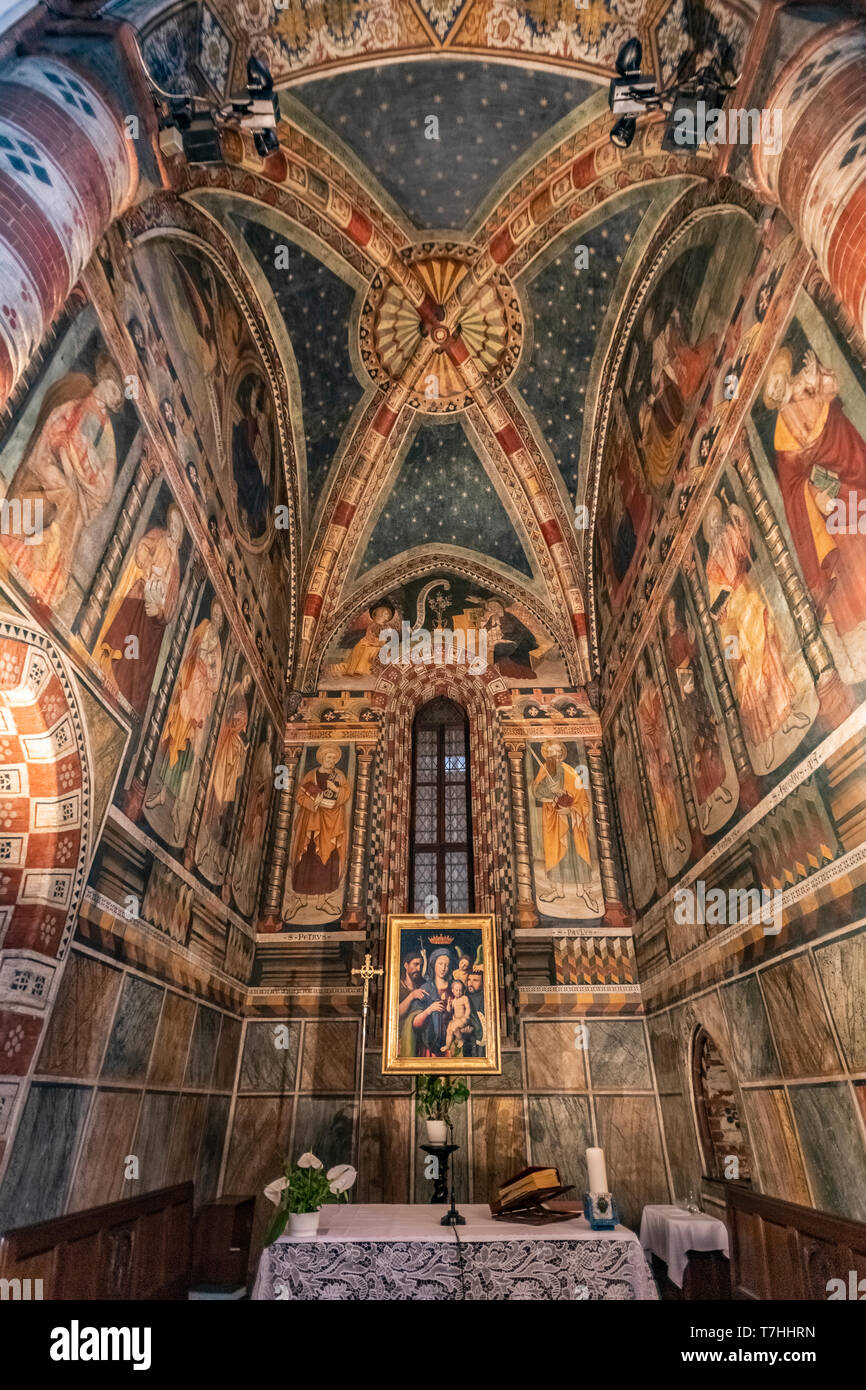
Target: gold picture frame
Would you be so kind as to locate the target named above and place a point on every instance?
(417, 983)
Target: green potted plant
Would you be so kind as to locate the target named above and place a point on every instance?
(434, 1097)
(301, 1191)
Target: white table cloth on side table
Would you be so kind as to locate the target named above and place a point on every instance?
(402, 1252)
(671, 1233)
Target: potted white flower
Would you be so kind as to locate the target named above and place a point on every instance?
(302, 1190)
(434, 1097)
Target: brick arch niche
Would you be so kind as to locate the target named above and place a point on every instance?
(400, 692)
(44, 834)
(720, 1126)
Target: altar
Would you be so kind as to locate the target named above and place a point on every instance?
(402, 1252)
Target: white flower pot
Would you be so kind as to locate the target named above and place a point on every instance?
(303, 1225)
(437, 1132)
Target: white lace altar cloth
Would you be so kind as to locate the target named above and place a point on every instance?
(384, 1253)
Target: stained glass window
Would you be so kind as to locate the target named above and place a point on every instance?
(441, 837)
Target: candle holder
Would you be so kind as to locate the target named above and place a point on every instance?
(600, 1210)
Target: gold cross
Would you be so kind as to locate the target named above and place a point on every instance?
(367, 972)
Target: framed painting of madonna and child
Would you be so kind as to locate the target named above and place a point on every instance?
(442, 1009)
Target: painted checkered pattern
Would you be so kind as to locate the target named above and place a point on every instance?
(44, 849)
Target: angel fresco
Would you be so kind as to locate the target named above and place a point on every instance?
(820, 462)
(749, 637)
(211, 850)
(363, 658)
(173, 783)
(142, 607)
(68, 467)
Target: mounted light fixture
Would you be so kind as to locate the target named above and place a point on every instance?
(191, 125)
(700, 76)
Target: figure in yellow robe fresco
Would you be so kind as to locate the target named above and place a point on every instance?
(320, 837)
(565, 827)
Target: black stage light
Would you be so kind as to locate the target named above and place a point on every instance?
(628, 60)
(623, 132)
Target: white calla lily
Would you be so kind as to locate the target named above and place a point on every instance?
(309, 1160)
(273, 1190)
(341, 1177)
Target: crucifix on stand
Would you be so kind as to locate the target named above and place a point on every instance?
(368, 972)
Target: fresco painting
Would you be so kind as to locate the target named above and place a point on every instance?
(321, 833)
(565, 860)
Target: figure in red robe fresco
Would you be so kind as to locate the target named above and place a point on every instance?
(820, 462)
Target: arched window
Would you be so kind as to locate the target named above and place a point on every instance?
(441, 828)
(724, 1143)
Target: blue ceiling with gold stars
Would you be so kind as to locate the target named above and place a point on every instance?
(489, 114)
(568, 309)
(315, 304)
(442, 494)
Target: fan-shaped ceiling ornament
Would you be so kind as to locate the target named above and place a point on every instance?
(490, 327)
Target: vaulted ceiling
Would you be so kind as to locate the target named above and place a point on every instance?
(444, 249)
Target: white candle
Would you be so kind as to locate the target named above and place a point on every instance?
(596, 1171)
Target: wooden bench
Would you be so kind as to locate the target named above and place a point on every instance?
(780, 1250)
(140, 1248)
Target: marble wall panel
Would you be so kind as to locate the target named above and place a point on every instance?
(211, 1150)
(375, 1080)
(617, 1055)
(555, 1058)
(80, 1021)
(203, 1047)
(842, 968)
(754, 1055)
(259, 1140)
(168, 1062)
(803, 1037)
(100, 1170)
(324, 1126)
(510, 1079)
(499, 1147)
(773, 1143)
(329, 1050)
(628, 1131)
(133, 1031)
(265, 1066)
(666, 1052)
(833, 1147)
(153, 1141)
(223, 1078)
(560, 1132)
(384, 1163)
(37, 1178)
(682, 1144)
(185, 1139)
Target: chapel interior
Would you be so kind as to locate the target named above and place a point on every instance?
(432, 487)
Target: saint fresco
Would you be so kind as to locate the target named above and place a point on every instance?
(771, 684)
(252, 838)
(321, 837)
(174, 781)
(212, 845)
(661, 770)
(811, 430)
(141, 611)
(565, 861)
(633, 821)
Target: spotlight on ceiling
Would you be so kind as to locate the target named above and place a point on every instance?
(704, 76)
(628, 60)
(191, 125)
(623, 132)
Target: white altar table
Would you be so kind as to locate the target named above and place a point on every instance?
(402, 1252)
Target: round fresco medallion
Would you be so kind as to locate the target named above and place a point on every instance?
(486, 331)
